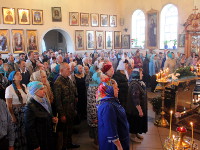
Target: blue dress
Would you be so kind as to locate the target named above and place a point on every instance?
(112, 124)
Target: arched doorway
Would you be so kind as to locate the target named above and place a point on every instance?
(57, 39)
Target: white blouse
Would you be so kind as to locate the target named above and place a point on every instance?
(10, 93)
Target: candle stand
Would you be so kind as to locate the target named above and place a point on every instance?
(162, 122)
(180, 142)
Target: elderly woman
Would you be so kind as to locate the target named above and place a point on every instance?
(16, 97)
(54, 75)
(121, 77)
(136, 107)
(42, 77)
(85, 61)
(39, 119)
(170, 63)
(82, 92)
(113, 126)
(91, 102)
(153, 69)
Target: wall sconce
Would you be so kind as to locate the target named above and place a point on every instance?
(125, 29)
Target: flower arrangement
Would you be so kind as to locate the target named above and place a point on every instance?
(184, 72)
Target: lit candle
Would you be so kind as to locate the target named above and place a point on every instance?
(170, 125)
(156, 76)
(191, 123)
(173, 136)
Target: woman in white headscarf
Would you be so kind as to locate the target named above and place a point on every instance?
(121, 77)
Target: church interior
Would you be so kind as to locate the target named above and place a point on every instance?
(80, 26)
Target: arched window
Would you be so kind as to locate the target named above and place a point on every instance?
(138, 29)
(168, 27)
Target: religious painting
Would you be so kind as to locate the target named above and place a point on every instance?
(23, 16)
(4, 41)
(73, 18)
(109, 40)
(18, 41)
(8, 15)
(94, 20)
(117, 39)
(126, 41)
(84, 19)
(37, 17)
(181, 40)
(152, 29)
(104, 20)
(99, 39)
(79, 39)
(113, 20)
(90, 40)
(56, 14)
(32, 40)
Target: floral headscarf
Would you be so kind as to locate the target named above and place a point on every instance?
(105, 91)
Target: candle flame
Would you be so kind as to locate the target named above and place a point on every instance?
(171, 112)
(191, 123)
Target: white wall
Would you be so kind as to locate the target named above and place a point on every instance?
(110, 7)
(121, 8)
(185, 8)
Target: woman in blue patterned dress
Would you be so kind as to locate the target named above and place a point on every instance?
(113, 126)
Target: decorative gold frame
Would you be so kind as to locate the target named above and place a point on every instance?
(94, 18)
(73, 15)
(84, 19)
(10, 17)
(56, 14)
(152, 29)
(32, 40)
(90, 40)
(5, 40)
(79, 39)
(104, 20)
(37, 17)
(109, 40)
(18, 41)
(99, 39)
(117, 39)
(126, 41)
(23, 16)
(113, 20)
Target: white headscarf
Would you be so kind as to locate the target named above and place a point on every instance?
(121, 65)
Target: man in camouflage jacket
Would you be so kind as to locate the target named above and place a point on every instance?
(65, 96)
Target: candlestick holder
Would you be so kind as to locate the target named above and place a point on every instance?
(162, 122)
(180, 141)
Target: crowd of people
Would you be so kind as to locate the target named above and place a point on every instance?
(44, 96)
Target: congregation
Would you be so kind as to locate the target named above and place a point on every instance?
(44, 96)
